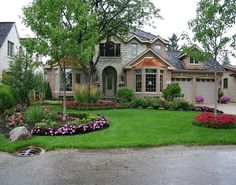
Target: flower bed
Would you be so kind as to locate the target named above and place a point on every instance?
(224, 99)
(206, 109)
(209, 120)
(67, 129)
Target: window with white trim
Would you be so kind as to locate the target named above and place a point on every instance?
(150, 75)
(10, 49)
(138, 80)
(193, 61)
(161, 80)
(68, 76)
(134, 49)
(157, 48)
(109, 49)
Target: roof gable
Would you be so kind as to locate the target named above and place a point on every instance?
(149, 62)
(5, 28)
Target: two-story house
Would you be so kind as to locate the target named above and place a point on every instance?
(142, 62)
(9, 44)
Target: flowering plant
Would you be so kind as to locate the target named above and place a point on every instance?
(121, 84)
(219, 121)
(199, 99)
(224, 99)
(205, 109)
(16, 119)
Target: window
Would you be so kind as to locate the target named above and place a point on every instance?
(10, 49)
(68, 80)
(161, 80)
(56, 80)
(109, 49)
(225, 83)
(150, 80)
(193, 61)
(134, 49)
(158, 48)
(138, 80)
(78, 78)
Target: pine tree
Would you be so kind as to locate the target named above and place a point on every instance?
(173, 43)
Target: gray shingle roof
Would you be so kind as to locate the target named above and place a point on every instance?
(5, 28)
(142, 35)
(172, 57)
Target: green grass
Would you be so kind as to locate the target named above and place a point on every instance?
(133, 128)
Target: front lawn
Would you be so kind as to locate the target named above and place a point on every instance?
(133, 128)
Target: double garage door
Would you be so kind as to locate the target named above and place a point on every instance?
(204, 87)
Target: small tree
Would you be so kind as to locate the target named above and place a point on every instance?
(65, 30)
(173, 43)
(226, 60)
(214, 19)
(172, 91)
(21, 75)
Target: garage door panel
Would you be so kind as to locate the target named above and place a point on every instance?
(206, 88)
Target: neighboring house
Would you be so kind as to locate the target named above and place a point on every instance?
(9, 44)
(142, 62)
(229, 82)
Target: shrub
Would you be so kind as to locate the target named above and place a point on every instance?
(125, 94)
(8, 98)
(35, 114)
(209, 120)
(199, 99)
(40, 124)
(16, 119)
(48, 92)
(181, 105)
(84, 95)
(172, 91)
(224, 99)
(220, 94)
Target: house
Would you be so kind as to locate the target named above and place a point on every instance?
(229, 82)
(9, 44)
(142, 62)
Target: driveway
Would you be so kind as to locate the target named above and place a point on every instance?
(229, 108)
(177, 165)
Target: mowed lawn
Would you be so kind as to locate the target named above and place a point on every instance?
(134, 128)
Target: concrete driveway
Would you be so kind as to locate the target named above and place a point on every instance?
(215, 165)
(229, 108)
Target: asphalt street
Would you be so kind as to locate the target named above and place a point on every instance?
(177, 165)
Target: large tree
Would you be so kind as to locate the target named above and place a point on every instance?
(65, 30)
(118, 17)
(173, 43)
(210, 27)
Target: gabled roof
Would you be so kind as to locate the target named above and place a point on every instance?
(5, 28)
(230, 67)
(139, 57)
(143, 36)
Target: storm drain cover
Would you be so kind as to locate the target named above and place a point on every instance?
(30, 151)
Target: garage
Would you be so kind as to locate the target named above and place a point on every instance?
(206, 88)
(186, 85)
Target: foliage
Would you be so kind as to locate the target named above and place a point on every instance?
(71, 129)
(226, 60)
(220, 94)
(52, 102)
(224, 99)
(8, 98)
(125, 94)
(41, 124)
(16, 119)
(180, 104)
(173, 43)
(48, 92)
(21, 75)
(210, 27)
(172, 91)
(209, 120)
(205, 109)
(87, 95)
(35, 114)
(199, 99)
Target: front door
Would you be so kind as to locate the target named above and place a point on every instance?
(110, 86)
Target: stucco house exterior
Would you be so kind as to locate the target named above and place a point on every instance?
(141, 62)
(9, 44)
(229, 82)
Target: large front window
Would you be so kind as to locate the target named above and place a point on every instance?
(150, 80)
(68, 76)
(109, 49)
(138, 80)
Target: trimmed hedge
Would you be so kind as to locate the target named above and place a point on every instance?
(8, 97)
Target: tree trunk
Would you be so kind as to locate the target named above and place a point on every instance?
(216, 93)
(64, 93)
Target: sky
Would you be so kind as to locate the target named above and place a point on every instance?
(176, 15)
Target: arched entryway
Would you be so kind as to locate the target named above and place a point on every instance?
(109, 77)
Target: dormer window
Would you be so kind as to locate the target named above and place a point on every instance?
(109, 49)
(193, 61)
(134, 49)
(157, 48)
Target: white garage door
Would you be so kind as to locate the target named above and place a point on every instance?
(186, 87)
(206, 88)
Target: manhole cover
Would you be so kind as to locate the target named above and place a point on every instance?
(30, 151)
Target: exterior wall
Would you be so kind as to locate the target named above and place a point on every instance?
(231, 90)
(188, 65)
(4, 58)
